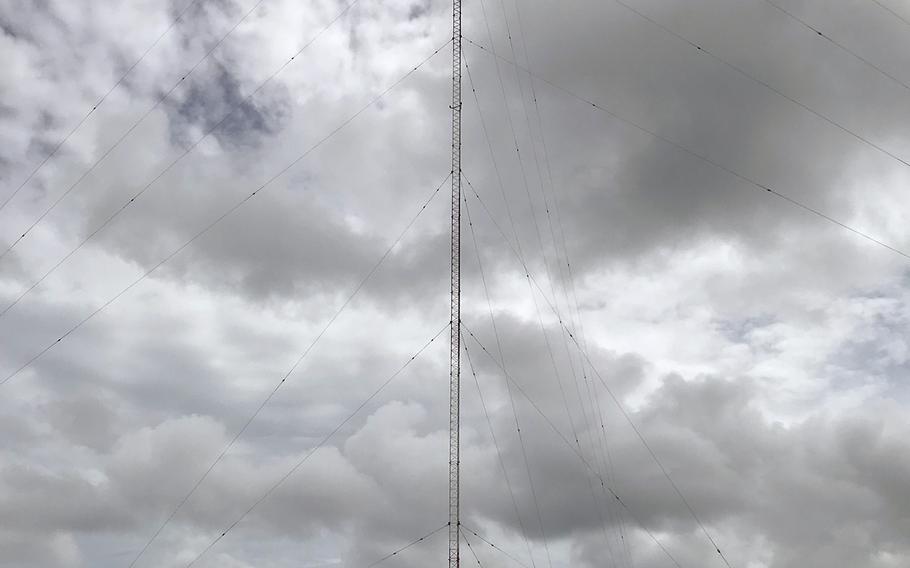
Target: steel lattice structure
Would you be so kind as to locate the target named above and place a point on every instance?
(455, 295)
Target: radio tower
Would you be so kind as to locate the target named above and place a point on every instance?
(455, 294)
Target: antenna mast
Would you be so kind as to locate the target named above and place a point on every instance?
(455, 294)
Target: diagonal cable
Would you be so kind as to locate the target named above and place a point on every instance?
(312, 450)
(836, 43)
(284, 377)
(502, 464)
(615, 399)
(223, 216)
(764, 84)
(130, 130)
(174, 162)
(892, 12)
(569, 444)
(546, 266)
(512, 402)
(521, 440)
(98, 103)
(703, 157)
(407, 546)
(493, 546)
(471, 548)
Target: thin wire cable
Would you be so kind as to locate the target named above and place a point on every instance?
(224, 215)
(498, 175)
(511, 557)
(657, 460)
(540, 241)
(511, 123)
(569, 444)
(546, 153)
(174, 162)
(606, 461)
(521, 442)
(521, 166)
(543, 192)
(91, 111)
(508, 208)
(764, 84)
(892, 12)
(502, 464)
(832, 41)
(524, 108)
(703, 157)
(531, 137)
(313, 450)
(499, 347)
(286, 375)
(486, 135)
(568, 281)
(616, 400)
(511, 398)
(543, 254)
(567, 330)
(407, 546)
(471, 548)
(518, 256)
(129, 130)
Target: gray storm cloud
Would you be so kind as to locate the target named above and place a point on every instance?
(760, 350)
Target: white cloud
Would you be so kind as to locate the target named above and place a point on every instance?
(761, 350)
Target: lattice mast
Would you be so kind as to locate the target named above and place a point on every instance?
(455, 294)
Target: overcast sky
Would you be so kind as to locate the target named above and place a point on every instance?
(761, 350)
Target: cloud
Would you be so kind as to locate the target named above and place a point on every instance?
(760, 350)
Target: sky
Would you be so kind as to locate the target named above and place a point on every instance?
(224, 341)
